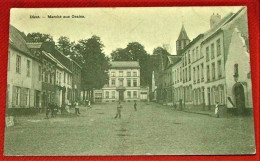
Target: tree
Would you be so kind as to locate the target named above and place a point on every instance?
(95, 64)
(135, 52)
(120, 55)
(64, 45)
(39, 37)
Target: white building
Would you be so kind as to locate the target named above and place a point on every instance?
(123, 85)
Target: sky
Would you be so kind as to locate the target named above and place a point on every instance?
(150, 26)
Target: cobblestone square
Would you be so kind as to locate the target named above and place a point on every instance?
(151, 130)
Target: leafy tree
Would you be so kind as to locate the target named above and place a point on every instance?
(120, 55)
(64, 45)
(95, 64)
(39, 37)
(135, 52)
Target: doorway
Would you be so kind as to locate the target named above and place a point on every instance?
(239, 95)
(121, 95)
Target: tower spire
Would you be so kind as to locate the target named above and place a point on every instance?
(182, 40)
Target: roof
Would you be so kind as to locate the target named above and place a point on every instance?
(173, 59)
(217, 26)
(124, 64)
(59, 64)
(183, 35)
(18, 41)
(34, 45)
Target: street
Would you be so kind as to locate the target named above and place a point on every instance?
(151, 130)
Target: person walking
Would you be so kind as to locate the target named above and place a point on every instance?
(135, 106)
(77, 108)
(217, 110)
(48, 110)
(119, 108)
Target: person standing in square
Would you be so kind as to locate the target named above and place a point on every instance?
(217, 110)
(135, 106)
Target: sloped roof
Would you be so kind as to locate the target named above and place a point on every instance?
(173, 59)
(18, 41)
(59, 64)
(217, 26)
(183, 35)
(34, 45)
(125, 64)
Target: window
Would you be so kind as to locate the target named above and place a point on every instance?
(208, 74)
(212, 51)
(207, 53)
(202, 73)
(189, 73)
(107, 94)
(121, 82)
(46, 77)
(113, 82)
(64, 77)
(193, 55)
(218, 47)
(129, 74)
(129, 94)
(18, 64)
(219, 69)
(59, 78)
(28, 68)
(213, 71)
(120, 73)
(17, 95)
(27, 96)
(189, 56)
(135, 82)
(198, 73)
(135, 94)
(40, 73)
(129, 83)
(197, 53)
(186, 75)
(113, 74)
(135, 74)
(236, 70)
(113, 94)
(194, 74)
(180, 74)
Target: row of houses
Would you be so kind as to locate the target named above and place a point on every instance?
(213, 67)
(39, 74)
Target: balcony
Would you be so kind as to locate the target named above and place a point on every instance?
(120, 88)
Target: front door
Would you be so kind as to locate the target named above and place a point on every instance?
(121, 95)
(239, 97)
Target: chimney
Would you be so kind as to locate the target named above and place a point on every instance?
(214, 19)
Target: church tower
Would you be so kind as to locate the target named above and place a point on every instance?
(182, 41)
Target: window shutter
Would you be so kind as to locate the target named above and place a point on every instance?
(14, 96)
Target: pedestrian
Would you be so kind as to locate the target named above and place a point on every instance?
(77, 108)
(119, 108)
(135, 106)
(180, 104)
(175, 106)
(217, 110)
(52, 106)
(56, 109)
(48, 110)
(89, 105)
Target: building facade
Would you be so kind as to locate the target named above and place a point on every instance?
(209, 70)
(123, 84)
(39, 74)
(23, 83)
